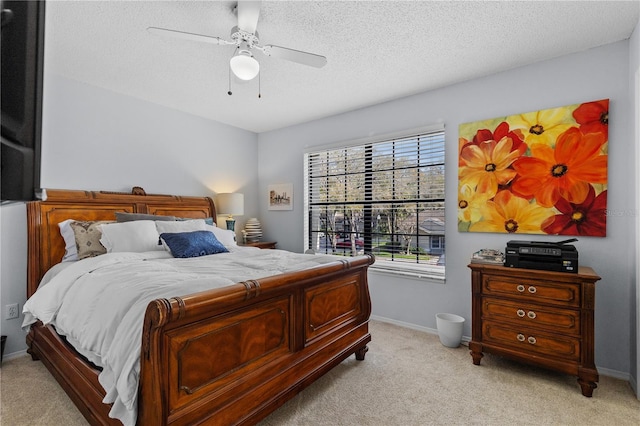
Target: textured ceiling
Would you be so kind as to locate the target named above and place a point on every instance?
(376, 51)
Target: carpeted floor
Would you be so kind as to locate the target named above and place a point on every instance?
(407, 378)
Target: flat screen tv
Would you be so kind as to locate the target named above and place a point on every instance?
(22, 46)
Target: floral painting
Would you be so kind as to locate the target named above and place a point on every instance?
(543, 172)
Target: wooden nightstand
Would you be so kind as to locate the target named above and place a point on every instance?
(262, 244)
(540, 317)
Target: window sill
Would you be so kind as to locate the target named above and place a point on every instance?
(435, 277)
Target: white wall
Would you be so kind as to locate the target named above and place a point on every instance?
(97, 139)
(94, 139)
(586, 76)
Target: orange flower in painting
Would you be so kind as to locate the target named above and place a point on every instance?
(462, 142)
(564, 171)
(487, 165)
(593, 117)
(508, 213)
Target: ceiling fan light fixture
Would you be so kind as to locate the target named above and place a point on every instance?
(244, 65)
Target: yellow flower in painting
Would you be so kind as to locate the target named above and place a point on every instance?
(487, 165)
(508, 213)
(542, 126)
(470, 203)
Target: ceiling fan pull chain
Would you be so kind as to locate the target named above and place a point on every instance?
(259, 89)
(229, 92)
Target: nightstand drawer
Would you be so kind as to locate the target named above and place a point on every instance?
(545, 292)
(533, 316)
(531, 341)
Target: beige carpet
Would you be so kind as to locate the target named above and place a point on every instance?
(407, 378)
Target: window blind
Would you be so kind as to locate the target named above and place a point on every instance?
(384, 197)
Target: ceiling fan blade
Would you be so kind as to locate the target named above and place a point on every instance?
(187, 36)
(248, 14)
(293, 55)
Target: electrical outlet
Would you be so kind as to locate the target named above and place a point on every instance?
(11, 311)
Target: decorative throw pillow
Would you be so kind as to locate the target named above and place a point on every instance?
(181, 226)
(70, 250)
(87, 235)
(128, 217)
(192, 244)
(207, 220)
(225, 236)
(136, 236)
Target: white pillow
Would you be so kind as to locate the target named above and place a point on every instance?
(225, 236)
(70, 250)
(180, 226)
(137, 236)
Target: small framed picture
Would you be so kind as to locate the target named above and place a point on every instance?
(281, 196)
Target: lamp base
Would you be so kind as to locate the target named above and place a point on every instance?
(231, 224)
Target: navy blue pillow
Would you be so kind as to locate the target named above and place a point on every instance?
(192, 244)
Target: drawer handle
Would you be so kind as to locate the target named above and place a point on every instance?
(521, 337)
(532, 340)
(532, 289)
(531, 314)
(520, 313)
(520, 288)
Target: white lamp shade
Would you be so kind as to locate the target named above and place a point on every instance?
(231, 204)
(244, 66)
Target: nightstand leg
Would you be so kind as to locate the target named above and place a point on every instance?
(587, 387)
(587, 378)
(476, 352)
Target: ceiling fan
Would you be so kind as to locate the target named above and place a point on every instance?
(245, 37)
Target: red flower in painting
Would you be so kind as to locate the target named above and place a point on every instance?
(587, 218)
(485, 135)
(593, 117)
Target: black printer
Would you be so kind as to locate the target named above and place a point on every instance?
(548, 256)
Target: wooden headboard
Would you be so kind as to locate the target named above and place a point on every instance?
(46, 246)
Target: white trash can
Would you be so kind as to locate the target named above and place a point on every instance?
(450, 329)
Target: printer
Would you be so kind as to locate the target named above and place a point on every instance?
(548, 256)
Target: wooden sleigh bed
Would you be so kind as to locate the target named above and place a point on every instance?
(274, 336)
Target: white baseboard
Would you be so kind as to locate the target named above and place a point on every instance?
(634, 386)
(614, 373)
(412, 326)
(465, 339)
(14, 355)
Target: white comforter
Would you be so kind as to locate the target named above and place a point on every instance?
(99, 304)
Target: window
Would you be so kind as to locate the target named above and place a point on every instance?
(384, 197)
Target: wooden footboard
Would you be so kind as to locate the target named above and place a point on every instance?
(233, 355)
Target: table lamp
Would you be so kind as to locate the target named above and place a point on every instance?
(231, 204)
